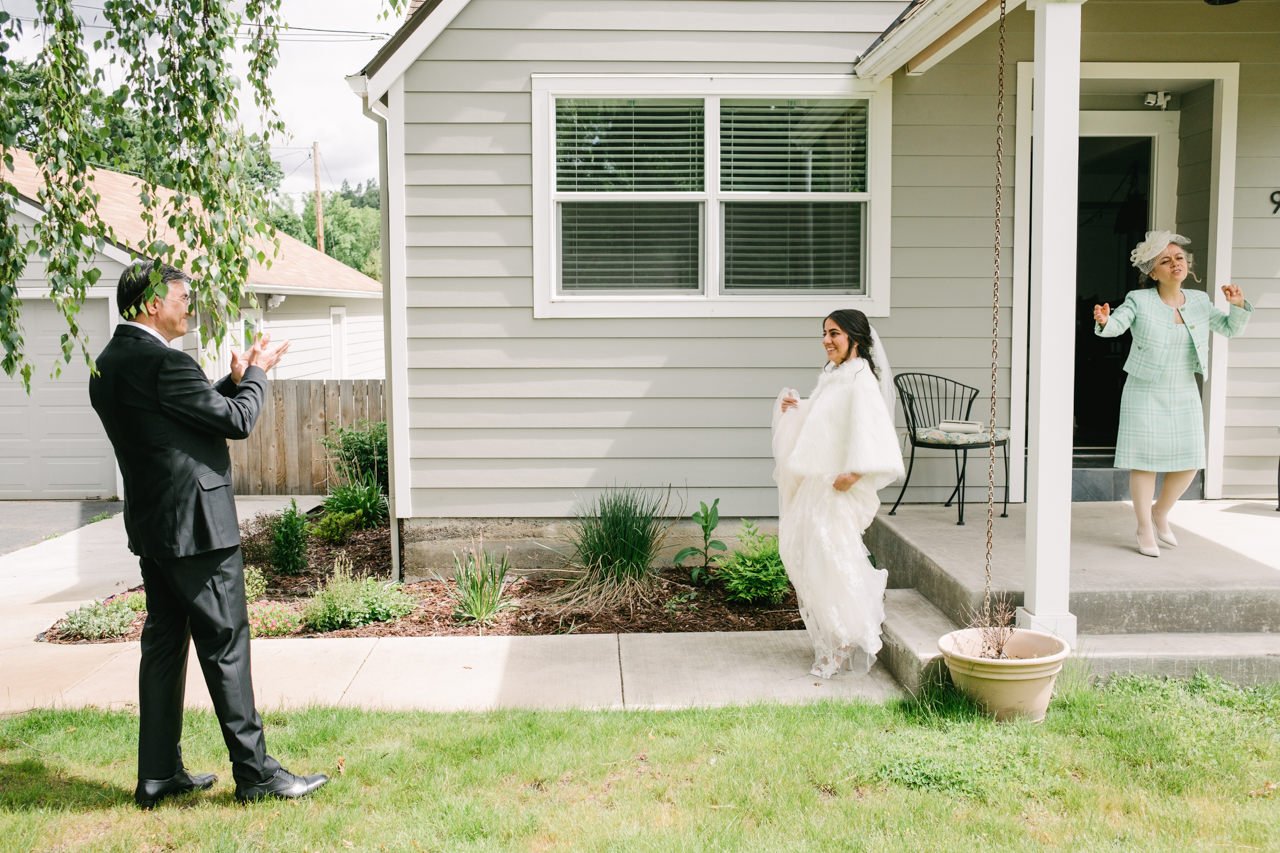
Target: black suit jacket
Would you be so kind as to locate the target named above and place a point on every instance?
(169, 427)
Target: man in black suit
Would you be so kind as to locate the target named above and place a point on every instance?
(169, 427)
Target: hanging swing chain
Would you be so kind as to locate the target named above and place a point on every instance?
(995, 319)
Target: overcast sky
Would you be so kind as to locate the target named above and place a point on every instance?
(311, 91)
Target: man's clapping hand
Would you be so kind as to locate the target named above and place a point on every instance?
(1102, 313)
(262, 354)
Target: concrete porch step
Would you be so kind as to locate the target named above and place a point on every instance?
(1224, 578)
(913, 625)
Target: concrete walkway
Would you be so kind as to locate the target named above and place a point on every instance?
(40, 583)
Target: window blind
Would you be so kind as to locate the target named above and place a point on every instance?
(630, 246)
(629, 146)
(793, 146)
(793, 247)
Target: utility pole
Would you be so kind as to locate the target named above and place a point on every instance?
(315, 163)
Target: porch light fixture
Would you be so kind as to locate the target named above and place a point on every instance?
(1157, 99)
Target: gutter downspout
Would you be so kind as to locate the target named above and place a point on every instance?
(377, 112)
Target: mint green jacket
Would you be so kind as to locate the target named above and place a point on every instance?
(1156, 338)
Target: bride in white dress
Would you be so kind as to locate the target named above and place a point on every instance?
(833, 453)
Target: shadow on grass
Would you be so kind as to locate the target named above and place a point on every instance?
(30, 785)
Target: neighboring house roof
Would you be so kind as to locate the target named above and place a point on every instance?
(299, 269)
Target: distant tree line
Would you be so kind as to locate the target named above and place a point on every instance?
(351, 224)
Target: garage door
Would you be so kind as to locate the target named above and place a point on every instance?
(51, 443)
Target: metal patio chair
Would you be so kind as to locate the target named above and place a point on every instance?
(927, 400)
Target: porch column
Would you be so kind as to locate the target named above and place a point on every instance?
(1056, 129)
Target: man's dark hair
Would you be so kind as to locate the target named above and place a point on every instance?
(134, 289)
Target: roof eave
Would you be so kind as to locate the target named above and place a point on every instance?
(926, 33)
(421, 29)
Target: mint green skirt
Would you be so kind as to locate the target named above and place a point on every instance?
(1162, 420)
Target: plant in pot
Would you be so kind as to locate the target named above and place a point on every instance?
(1008, 671)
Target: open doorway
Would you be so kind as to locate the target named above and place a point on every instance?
(1115, 192)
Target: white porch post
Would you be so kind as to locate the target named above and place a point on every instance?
(1056, 129)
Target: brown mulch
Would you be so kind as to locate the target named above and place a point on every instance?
(674, 605)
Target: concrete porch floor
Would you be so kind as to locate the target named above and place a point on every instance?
(1212, 603)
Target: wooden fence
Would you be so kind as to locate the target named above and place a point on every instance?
(284, 455)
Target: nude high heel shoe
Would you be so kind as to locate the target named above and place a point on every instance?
(1165, 535)
(1145, 550)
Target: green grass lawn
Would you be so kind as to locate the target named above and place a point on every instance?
(1138, 764)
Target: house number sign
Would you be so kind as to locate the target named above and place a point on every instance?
(1275, 199)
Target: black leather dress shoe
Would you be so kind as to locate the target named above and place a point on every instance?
(151, 791)
(284, 785)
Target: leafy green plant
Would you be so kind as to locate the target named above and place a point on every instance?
(479, 590)
(255, 584)
(362, 495)
(102, 516)
(347, 602)
(616, 539)
(359, 452)
(337, 527)
(135, 601)
(257, 539)
(754, 571)
(273, 619)
(98, 621)
(289, 541)
(707, 517)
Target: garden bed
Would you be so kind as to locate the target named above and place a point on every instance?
(674, 605)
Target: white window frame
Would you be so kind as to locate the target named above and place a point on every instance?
(710, 302)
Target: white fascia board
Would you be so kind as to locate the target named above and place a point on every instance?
(110, 250)
(253, 287)
(399, 62)
(931, 20)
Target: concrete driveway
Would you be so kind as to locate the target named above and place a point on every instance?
(24, 523)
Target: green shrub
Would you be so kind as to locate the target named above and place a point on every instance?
(135, 601)
(347, 602)
(754, 571)
(272, 619)
(255, 584)
(362, 496)
(359, 451)
(289, 541)
(337, 527)
(479, 589)
(98, 621)
(257, 539)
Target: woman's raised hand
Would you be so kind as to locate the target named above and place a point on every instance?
(1234, 294)
(1102, 313)
(789, 400)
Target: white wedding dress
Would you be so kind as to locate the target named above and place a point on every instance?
(845, 426)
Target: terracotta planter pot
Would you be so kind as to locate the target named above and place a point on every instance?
(1020, 685)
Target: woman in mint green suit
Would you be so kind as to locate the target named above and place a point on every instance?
(1161, 416)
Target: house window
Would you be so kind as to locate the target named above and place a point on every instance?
(729, 202)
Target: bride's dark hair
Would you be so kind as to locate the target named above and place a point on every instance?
(855, 324)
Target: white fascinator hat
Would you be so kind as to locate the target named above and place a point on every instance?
(1145, 253)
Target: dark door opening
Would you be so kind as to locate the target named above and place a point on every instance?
(1114, 212)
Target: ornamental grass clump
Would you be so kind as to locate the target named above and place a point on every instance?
(616, 539)
(99, 621)
(479, 590)
(348, 602)
(363, 497)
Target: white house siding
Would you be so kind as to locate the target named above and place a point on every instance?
(512, 416)
(304, 320)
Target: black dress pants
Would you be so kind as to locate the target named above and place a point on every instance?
(198, 598)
